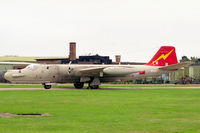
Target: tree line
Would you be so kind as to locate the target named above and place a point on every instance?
(193, 59)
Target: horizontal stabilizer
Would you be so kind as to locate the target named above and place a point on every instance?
(176, 66)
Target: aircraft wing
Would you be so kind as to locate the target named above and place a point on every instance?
(176, 66)
(92, 71)
(99, 71)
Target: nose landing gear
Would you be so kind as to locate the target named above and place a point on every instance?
(47, 86)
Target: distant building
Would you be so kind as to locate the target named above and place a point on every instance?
(53, 61)
(188, 74)
(94, 59)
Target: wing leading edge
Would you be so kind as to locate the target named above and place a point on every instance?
(92, 71)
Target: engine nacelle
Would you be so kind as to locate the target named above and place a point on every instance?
(118, 71)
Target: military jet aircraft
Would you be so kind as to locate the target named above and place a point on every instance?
(163, 62)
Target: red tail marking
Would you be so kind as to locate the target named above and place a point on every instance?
(166, 55)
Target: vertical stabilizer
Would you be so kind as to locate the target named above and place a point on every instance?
(165, 56)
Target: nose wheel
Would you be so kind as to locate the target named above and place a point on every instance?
(47, 86)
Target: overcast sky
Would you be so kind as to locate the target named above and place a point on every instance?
(134, 29)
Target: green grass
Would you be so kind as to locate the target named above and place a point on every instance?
(102, 111)
(102, 86)
(150, 85)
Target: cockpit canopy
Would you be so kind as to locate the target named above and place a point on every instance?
(32, 67)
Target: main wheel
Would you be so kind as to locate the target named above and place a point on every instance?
(79, 85)
(47, 86)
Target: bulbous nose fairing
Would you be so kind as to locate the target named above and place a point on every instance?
(2, 78)
(7, 76)
(13, 75)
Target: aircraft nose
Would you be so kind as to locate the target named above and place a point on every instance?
(7, 76)
(2, 78)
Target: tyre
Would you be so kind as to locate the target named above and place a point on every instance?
(47, 86)
(79, 85)
(94, 86)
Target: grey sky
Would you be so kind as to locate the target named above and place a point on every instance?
(134, 29)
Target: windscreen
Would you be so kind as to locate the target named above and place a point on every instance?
(32, 67)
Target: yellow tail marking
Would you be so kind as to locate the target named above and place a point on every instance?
(164, 57)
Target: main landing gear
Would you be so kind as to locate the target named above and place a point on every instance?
(94, 83)
(93, 86)
(79, 85)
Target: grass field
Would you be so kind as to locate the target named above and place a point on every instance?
(102, 111)
(102, 86)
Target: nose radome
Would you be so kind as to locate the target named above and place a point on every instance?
(7, 76)
(2, 78)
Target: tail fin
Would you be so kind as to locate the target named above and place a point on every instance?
(165, 56)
